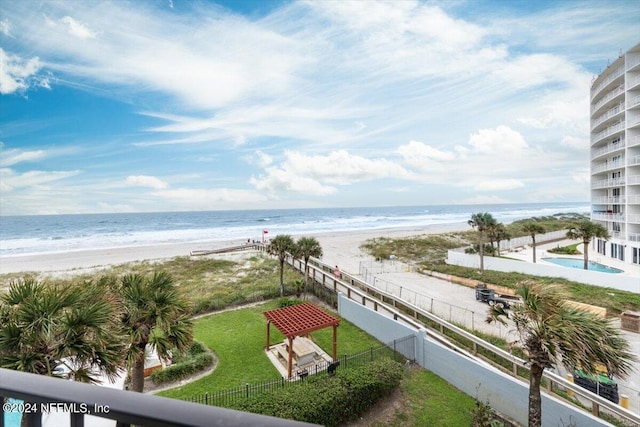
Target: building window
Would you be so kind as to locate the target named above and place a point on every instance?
(636, 255)
(601, 247)
(617, 251)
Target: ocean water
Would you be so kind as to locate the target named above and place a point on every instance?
(22, 235)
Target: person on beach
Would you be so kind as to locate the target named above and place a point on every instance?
(336, 272)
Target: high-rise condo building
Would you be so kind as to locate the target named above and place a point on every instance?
(615, 157)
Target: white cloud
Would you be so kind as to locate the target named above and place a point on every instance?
(77, 29)
(17, 74)
(264, 159)
(575, 143)
(14, 156)
(12, 180)
(219, 198)
(319, 174)
(146, 181)
(5, 27)
(499, 140)
(498, 185)
(323, 95)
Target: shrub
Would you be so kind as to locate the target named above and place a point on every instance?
(287, 302)
(194, 360)
(330, 400)
(566, 250)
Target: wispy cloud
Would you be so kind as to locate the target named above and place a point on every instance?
(319, 98)
(146, 181)
(18, 74)
(14, 156)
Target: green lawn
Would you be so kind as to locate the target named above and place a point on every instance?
(239, 337)
(434, 402)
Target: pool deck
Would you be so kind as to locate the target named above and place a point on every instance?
(526, 254)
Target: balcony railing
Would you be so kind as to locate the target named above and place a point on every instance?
(634, 237)
(611, 182)
(606, 116)
(607, 132)
(608, 200)
(604, 216)
(609, 148)
(633, 62)
(126, 407)
(614, 75)
(632, 102)
(633, 179)
(633, 83)
(608, 165)
(633, 199)
(633, 218)
(633, 160)
(608, 97)
(634, 141)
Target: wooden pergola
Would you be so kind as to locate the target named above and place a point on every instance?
(299, 320)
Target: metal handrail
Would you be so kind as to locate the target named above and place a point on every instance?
(124, 406)
(325, 270)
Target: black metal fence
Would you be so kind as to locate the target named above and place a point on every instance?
(401, 350)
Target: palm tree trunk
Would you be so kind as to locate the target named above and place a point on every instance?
(586, 254)
(282, 278)
(137, 374)
(533, 244)
(306, 278)
(535, 400)
(481, 254)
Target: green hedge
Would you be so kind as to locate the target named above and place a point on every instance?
(195, 360)
(330, 400)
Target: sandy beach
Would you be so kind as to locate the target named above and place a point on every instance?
(340, 248)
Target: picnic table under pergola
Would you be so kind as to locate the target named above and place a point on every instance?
(300, 320)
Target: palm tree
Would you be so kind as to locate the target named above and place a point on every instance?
(533, 228)
(495, 233)
(155, 313)
(60, 331)
(44, 327)
(587, 230)
(551, 333)
(481, 222)
(307, 247)
(280, 246)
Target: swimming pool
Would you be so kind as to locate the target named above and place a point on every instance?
(579, 263)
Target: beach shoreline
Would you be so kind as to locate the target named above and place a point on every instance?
(340, 248)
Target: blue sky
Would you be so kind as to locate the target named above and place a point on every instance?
(179, 105)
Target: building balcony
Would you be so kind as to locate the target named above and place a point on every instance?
(633, 84)
(633, 180)
(634, 237)
(608, 200)
(634, 141)
(607, 166)
(633, 62)
(633, 218)
(633, 102)
(610, 182)
(607, 216)
(607, 98)
(633, 200)
(611, 130)
(633, 161)
(633, 122)
(615, 74)
(126, 407)
(615, 111)
(609, 148)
